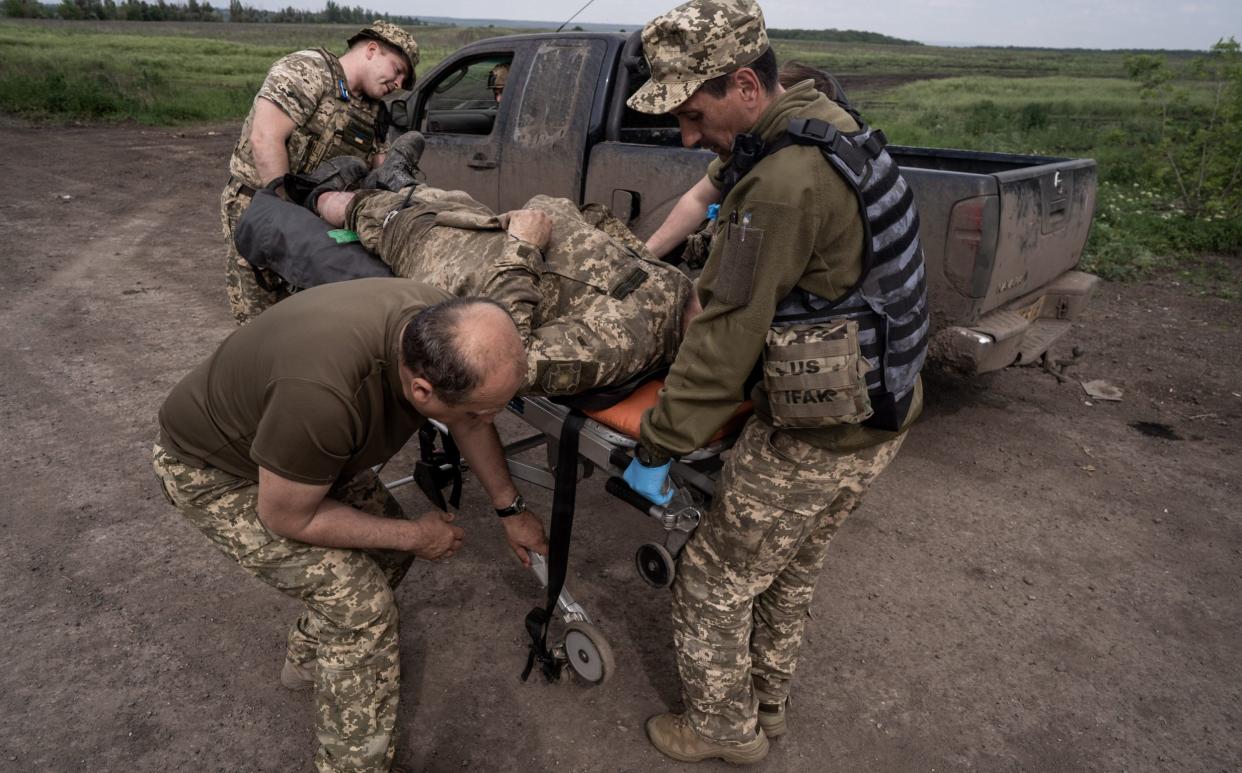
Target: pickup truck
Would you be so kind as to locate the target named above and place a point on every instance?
(1002, 234)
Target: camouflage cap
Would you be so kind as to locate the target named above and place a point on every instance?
(387, 32)
(692, 44)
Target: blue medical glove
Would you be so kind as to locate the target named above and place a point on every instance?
(651, 482)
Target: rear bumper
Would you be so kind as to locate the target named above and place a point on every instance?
(1020, 332)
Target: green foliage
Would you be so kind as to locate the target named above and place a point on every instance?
(23, 9)
(1199, 141)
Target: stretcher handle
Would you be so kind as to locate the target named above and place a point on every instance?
(621, 490)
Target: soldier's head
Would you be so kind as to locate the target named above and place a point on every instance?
(462, 360)
(388, 55)
(711, 67)
(795, 72)
(496, 79)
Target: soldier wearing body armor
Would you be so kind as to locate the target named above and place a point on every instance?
(313, 105)
(814, 302)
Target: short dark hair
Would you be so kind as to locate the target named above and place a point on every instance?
(764, 67)
(793, 71)
(431, 347)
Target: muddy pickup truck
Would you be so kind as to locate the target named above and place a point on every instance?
(1002, 233)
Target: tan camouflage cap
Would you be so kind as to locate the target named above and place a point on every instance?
(387, 32)
(693, 43)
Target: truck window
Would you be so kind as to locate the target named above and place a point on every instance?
(633, 126)
(465, 99)
(546, 115)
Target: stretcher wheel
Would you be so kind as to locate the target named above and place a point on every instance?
(589, 654)
(655, 564)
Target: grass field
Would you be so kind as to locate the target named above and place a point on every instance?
(1062, 103)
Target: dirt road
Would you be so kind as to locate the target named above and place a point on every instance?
(1041, 582)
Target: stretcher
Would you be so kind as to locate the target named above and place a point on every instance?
(605, 439)
(578, 441)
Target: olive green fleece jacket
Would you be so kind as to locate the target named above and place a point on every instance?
(808, 219)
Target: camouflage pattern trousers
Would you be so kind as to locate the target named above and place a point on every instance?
(746, 577)
(247, 298)
(350, 625)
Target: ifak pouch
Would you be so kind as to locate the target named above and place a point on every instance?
(815, 375)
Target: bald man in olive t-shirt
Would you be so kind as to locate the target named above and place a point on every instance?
(266, 447)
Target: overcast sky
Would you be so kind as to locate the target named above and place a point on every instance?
(1049, 23)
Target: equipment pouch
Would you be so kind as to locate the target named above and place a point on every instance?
(738, 258)
(815, 376)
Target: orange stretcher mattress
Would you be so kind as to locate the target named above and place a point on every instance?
(626, 416)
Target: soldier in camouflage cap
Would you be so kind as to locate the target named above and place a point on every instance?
(312, 106)
(692, 44)
(789, 227)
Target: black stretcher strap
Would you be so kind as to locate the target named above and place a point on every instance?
(559, 532)
(436, 469)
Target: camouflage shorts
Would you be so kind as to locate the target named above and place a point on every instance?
(349, 628)
(746, 577)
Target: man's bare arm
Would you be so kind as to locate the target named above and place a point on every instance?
(303, 512)
(268, 134)
(480, 444)
(689, 211)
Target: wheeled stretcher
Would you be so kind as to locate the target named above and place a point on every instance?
(604, 441)
(577, 440)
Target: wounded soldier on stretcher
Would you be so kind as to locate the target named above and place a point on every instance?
(594, 308)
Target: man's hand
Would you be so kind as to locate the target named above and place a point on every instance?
(531, 226)
(436, 538)
(524, 531)
(651, 482)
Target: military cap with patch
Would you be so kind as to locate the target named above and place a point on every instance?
(693, 43)
(387, 32)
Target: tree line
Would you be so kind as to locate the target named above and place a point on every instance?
(840, 36)
(192, 10)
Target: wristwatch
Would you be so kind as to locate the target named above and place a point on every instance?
(518, 506)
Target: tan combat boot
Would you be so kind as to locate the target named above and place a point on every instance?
(298, 676)
(673, 736)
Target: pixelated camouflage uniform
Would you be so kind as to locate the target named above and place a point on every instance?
(350, 623)
(746, 578)
(594, 310)
(303, 85)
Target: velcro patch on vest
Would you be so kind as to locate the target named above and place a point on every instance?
(739, 258)
(629, 284)
(564, 377)
(814, 375)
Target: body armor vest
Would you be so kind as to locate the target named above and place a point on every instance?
(353, 129)
(889, 302)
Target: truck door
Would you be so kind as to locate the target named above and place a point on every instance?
(546, 151)
(461, 113)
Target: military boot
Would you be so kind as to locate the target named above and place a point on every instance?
(673, 736)
(400, 167)
(342, 173)
(298, 676)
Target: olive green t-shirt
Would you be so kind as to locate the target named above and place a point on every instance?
(804, 230)
(310, 389)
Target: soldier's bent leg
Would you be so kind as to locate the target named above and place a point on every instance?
(780, 611)
(357, 680)
(246, 298)
(367, 493)
(754, 527)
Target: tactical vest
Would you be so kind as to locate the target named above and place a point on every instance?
(354, 128)
(889, 302)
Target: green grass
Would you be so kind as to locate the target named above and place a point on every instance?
(1037, 101)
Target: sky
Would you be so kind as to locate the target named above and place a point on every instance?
(1046, 23)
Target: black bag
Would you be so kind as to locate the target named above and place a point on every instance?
(293, 242)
